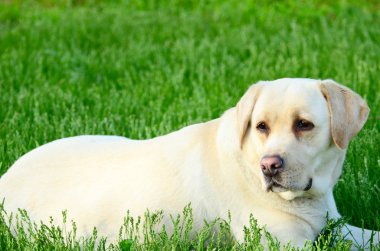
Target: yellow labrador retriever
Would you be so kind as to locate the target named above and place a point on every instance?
(277, 155)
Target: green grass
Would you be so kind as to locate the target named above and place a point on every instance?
(48, 236)
(145, 68)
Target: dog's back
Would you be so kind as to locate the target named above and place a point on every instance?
(98, 178)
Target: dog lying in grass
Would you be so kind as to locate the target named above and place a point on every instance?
(276, 155)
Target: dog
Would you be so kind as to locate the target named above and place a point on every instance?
(276, 155)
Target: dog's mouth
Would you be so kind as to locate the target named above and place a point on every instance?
(309, 185)
(275, 186)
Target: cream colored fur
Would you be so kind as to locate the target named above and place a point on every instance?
(214, 165)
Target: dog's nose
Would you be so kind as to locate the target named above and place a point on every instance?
(271, 165)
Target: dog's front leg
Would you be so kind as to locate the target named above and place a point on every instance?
(361, 238)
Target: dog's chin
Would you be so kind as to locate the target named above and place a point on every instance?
(287, 193)
(284, 192)
(290, 195)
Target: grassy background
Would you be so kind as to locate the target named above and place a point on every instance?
(145, 68)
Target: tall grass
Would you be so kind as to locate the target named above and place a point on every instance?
(145, 68)
(146, 233)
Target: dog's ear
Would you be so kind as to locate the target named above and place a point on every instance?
(348, 112)
(244, 109)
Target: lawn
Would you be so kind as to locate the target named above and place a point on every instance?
(145, 68)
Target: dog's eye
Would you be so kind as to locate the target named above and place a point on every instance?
(262, 127)
(304, 125)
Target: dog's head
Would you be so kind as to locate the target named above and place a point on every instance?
(294, 133)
